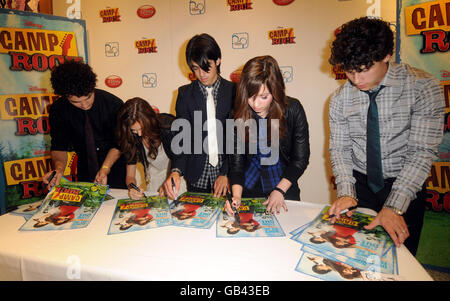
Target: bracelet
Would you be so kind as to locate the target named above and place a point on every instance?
(280, 191)
(396, 210)
(105, 166)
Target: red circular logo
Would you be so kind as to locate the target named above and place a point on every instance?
(235, 76)
(113, 81)
(283, 2)
(155, 109)
(146, 11)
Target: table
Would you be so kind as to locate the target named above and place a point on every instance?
(165, 254)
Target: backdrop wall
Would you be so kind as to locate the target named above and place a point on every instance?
(242, 29)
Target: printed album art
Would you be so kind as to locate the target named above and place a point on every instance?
(253, 221)
(145, 213)
(196, 210)
(69, 205)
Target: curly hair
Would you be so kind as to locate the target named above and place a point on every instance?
(73, 78)
(361, 42)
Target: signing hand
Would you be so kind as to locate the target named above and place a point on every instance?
(134, 194)
(341, 204)
(55, 181)
(393, 223)
(171, 193)
(236, 203)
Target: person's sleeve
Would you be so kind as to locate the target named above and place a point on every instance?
(58, 131)
(341, 148)
(425, 136)
(300, 152)
(182, 118)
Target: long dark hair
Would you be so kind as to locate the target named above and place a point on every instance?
(138, 110)
(259, 71)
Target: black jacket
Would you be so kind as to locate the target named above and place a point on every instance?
(190, 100)
(294, 150)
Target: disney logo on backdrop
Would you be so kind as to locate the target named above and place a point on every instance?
(112, 49)
(149, 80)
(32, 24)
(197, 7)
(445, 73)
(288, 73)
(239, 40)
(35, 88)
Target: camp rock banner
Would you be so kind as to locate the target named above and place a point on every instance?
(424, 43)
(31, 45)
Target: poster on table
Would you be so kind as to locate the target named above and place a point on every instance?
(31, 44)
(424, 43)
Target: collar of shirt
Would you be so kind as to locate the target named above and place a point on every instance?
(215, 87)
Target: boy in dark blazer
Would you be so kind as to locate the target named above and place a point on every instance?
(209, 94)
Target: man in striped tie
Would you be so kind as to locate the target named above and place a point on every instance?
(385, 128)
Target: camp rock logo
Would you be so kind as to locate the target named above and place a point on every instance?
(430, 20)
(146, 11)
(283, 2)
(288, 73)
(239, 4)
(112, 49)
(37, 49)
(110, 15)
(339, 73)
(149, 80)
(197, 7)
(282, 36)
(113, 81)
(146, 46)
(239, 40)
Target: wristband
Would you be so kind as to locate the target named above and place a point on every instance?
(280, 191)
(105, 166)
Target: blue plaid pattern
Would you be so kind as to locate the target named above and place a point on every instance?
(269, 175)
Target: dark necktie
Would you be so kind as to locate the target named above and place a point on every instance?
(90, 148)
(375, 179)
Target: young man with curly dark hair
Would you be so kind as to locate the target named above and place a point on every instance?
(385, 128)
(80, 102)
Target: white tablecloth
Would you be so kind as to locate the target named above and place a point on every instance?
(167, 253)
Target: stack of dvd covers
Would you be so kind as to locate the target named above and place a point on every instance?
(69, 205)
(345, 250)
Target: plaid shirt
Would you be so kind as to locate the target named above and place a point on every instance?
(411, 113)
(210, 173)
(269, 175)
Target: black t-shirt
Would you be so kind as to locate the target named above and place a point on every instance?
(67, 130)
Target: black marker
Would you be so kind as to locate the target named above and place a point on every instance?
(173, 188)
(344, 211)
(236, 214)
(136, 188)
(51, 178)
